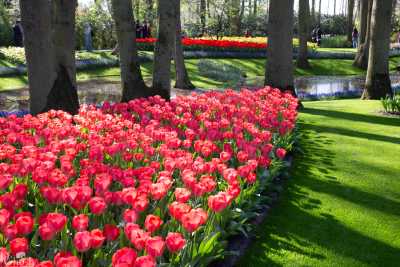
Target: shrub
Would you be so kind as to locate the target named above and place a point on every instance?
(5, 27)
(102, 26)
(339, 41)
(391, 104)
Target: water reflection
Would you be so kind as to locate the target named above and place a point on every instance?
(96, 92)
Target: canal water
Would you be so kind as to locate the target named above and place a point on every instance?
(96, 92)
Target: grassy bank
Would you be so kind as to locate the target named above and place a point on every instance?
(252, 67)
(342, 204)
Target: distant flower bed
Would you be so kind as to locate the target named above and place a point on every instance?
(141, 183)
(207, 45)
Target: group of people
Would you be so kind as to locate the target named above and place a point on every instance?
(316, 36)
(143, 30)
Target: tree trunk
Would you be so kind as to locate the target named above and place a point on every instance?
(313, 13)
(164, 48)
(361, 59)
(319, 13)
(304, 15)
(279, 67)
(182, 77)
(203, 12)
(350, 14)
(334, 7)
(255, 7)
(235, 16)
(64, 92)
(132, 82)
(49, 50)
(378, 83)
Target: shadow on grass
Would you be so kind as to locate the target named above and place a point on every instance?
(299, 228)
(353, 116)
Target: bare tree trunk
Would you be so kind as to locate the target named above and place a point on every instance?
(350, 14)
(304, 16)
(64, 92)
(203, 11)
(132, 82)
(255, 7)
(182, 77)
(235, 16)
(378, 83)
(279, 67)
(50, 54)
(361, 59)
(313, 13)
(164, 48)
(334, 7)
(319, 13)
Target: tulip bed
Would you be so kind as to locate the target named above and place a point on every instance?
(143, 183)
(189, 44)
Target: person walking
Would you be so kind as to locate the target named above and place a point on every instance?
(88, 34)
(354, 37)
(18, 34)
(319, 36)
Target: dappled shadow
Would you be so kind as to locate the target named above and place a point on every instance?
(352, 133)
(353, 116)
(299, 225)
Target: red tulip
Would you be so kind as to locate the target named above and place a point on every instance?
(97, 238)
(218, 202)
(111, 232)
(155, 246)
(281, 153)
(10, 231)
(130, 216)
(97, 205)
(24, 225)
(152, 223)
(80, 222)
(4, 217)
(182, 195)
(82, 241)
(4, 255)
(123, 256)
(175, 242)
(46, 231)
(19, 247)
(145, 261)
(45, 264)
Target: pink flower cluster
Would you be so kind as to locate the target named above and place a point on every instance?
(131, 183)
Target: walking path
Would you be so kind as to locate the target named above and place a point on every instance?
(342, 203)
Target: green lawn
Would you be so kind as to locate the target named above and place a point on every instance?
(252, 67)
(342, 202)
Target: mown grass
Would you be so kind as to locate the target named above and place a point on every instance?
(252, 67)
(342, 202)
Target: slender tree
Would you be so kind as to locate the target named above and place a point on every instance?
(182, 77)
(350, 24)
(361, 59)
(313, 13)
(255, 7)
(203, 13)
(49, 48)
(164, 48)
(304, 31)
(133, 85)
(279, 67)
(319, 12)
(378, 83)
